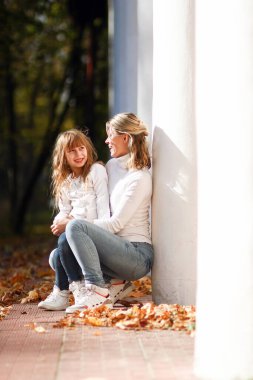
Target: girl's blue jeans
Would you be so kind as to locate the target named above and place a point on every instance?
(98, 255)
(64, 264)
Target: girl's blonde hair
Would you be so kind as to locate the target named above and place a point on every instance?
(131, 125)
(60, 168)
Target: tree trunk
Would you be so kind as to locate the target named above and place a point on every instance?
(12, 137)
(56, 119)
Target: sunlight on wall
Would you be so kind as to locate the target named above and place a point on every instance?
(224, 93)
(174, 163)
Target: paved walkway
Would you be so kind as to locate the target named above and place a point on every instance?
(88, 353)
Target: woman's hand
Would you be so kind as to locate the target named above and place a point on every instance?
(58, 226)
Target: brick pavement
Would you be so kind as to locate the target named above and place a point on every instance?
(88, 353)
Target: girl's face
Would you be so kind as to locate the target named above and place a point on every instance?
(76, 158)
(117, 143)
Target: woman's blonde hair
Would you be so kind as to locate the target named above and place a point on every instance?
(131, 125)
(60, 168)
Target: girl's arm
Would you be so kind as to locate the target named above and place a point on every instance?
(64, 206)
(100, 183)
(59, 226)
(62, 218)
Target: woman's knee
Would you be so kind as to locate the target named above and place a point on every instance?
(75, 227)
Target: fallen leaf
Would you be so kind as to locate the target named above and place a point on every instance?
(35, 327)
(97, 333)
(4, 311)
(33, 295)
(39, 329)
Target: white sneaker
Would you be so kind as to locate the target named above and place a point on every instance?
(56, 300)
(94, 296)
(79, 290)
(120, 289)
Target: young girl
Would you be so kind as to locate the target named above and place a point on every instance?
(79, 186)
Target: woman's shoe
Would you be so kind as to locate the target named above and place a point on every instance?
(120, 289)
(78, 289)
(93, 296)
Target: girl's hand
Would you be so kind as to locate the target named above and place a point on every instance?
(58, 227)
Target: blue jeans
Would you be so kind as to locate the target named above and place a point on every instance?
(64, 264)
(103, 255)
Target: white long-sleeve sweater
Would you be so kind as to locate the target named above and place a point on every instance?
(87, 200)
(130, 195)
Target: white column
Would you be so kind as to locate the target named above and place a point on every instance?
(123, 33)
(174, 169)
(224, 98)
(131, 57)
(145, 60)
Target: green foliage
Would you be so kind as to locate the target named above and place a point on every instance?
(53, 76)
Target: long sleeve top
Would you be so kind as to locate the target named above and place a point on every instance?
(130, 195)
(87, 199)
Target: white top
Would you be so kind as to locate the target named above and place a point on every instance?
(130, 195)
(87, 200)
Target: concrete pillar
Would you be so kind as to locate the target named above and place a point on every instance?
(224, 119)
(123, 41)
(130, 36)
(174, 161)
(145, 60)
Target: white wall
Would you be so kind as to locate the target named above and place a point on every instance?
(174, 160)
(224, 99)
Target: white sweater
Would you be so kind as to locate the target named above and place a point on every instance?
(130, 195)
(87, 200)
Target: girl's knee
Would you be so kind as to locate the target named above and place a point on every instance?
(54, 258)
(62, 240)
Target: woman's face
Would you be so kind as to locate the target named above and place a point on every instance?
(117, 143)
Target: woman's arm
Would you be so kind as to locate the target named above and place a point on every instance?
(137, 192)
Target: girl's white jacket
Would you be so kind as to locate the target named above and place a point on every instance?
(87, 199)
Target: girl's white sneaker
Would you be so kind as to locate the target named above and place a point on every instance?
(56, 300)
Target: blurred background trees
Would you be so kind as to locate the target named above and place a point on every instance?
(53, 76)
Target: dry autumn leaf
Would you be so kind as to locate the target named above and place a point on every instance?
(97, 333)
(33, 296)
(4, 311)
(142, 287)
(40, 329)
(36, 328)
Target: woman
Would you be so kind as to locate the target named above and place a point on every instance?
(118, 247)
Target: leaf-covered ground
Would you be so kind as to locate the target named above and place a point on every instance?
(139, 316)
(25, 277)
